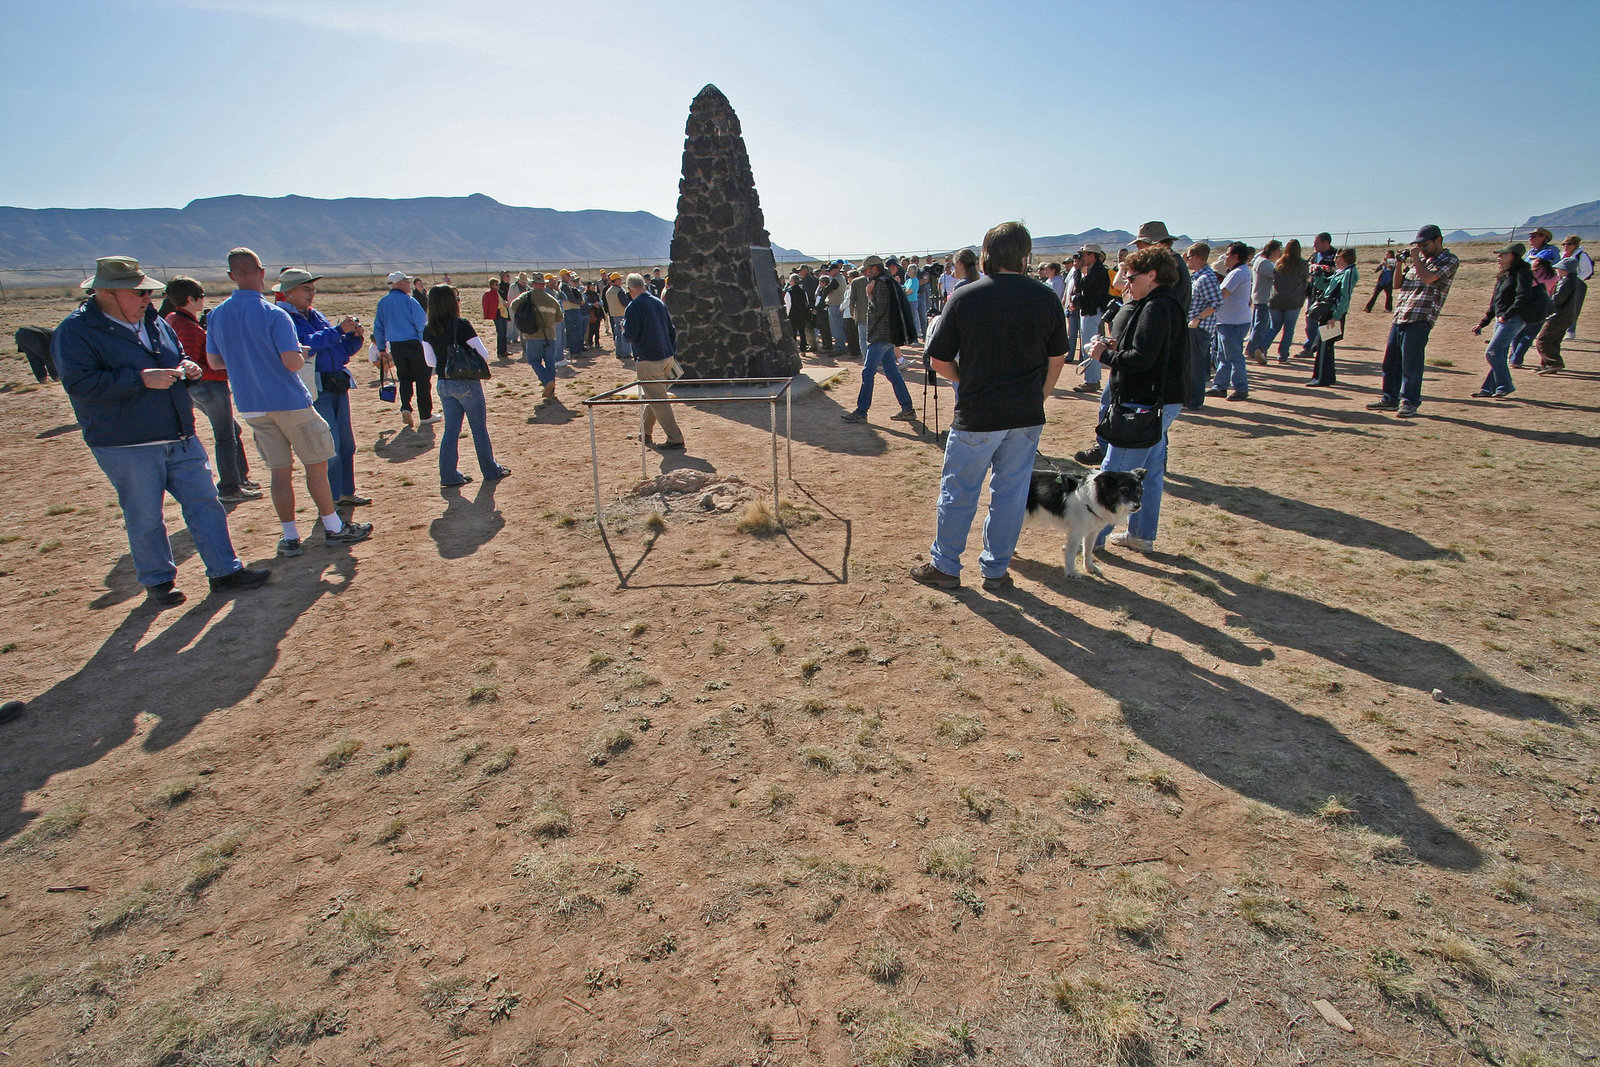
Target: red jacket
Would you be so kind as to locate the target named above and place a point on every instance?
(192, 336)
(491, 302)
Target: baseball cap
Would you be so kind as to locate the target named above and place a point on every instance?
(1515, 248)
(1569, 264)
(1429, 232)
(396, 276)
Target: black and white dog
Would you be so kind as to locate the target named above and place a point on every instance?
(1082, 505)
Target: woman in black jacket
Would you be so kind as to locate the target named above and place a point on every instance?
(1089, 299)
(1146, 356)
(799, 312)
(1514, 306)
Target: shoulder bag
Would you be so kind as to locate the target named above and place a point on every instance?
(460, 363)
(1134, 425)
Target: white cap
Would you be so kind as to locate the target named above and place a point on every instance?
(398, 276)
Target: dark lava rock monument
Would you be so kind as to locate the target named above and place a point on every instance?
(723, 283)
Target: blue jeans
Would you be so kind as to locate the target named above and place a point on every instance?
(1524, 341)
(968, 456)
(464, 398)
(922, 312)
(574, 322)
(561, 338)
(1498, 380)
(541, 356)
(1280, 320)
(1403, 360)
(1089, 330)
(881, 355)
(142, 475)
(1231, 365)
(1260, 328)
(335, 411)
(1145, 522)
(836, 323)
(1074, 325)
(619, 326)
(215, 399)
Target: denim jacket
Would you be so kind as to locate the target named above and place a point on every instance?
(331, 347)
(100, 364)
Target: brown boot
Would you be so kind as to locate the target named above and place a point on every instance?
(550, 391)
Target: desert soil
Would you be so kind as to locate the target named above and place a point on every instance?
(461, 795)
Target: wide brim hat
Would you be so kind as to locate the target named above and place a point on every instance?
(1154, 232)
(872, 261)
(1096, 249)
(294, 278)
(1540, 231)
(120, 272)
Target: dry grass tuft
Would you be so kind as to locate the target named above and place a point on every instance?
(882, 961)
(1085, 799)
(1112, 1019)
(396, 754)
(174, 793)
(758, 519)
(500, 762)
(212, 862)
(339, 754)
(124, 911)
(977, 803)
(1467, 959)
(960, 729)
(609, 742)
(1270, 915)
(552, 818)
(1334, 811)
(358, 934)
(54, 825)
(888, 1037)
(1136, 904)
(949, 858)
(820, 757)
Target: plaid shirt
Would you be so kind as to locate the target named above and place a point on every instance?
(1418, 302)
(1207, 294)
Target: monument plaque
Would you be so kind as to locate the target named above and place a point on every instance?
(722, 288)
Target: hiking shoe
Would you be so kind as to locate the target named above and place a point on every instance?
(1261, 358)
(1090, 457)
(1237, 395)
(235, 496)
(350, 500)
(928, 574)
(1216, 392)
(1383, 405)
(1407, 411)
(1086, 387)
(996, 584)
(1503, 394)
(289, 547)
(669, 446)
(1549, 370)
(164, 595)
(1482, 393)
(904, 415)
(1124, 539)
(854, 416)
(246, 483)
(243, 578)
(463, 480)
(351, 533)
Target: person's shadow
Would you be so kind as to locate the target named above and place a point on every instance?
(205, 660)
(122, 580)
(466, 527)
(1244, 739)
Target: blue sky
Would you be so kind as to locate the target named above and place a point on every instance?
(870, 126)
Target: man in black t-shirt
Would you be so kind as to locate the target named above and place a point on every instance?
(1003, 340)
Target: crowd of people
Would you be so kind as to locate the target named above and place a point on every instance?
(1153, 333)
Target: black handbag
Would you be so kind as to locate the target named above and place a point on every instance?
(460, 363)
(1133, 425)
(335, 382)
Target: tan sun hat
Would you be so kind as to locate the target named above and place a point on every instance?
(120, 272)
(294, 278)
(1154, 232)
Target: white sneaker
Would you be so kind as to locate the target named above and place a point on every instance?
(432, 419)
(1124, 539)
(562, 363)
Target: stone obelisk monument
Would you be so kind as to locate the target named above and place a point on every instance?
(723, 287)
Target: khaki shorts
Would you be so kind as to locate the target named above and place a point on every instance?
(303, 431)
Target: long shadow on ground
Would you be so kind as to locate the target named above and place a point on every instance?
(1352, 640)
(199, 664)
(1313, 520)
(1244, 739)
(466, 527)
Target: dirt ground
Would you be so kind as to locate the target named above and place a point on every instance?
(459, 795)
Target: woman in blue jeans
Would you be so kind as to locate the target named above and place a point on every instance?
(1147, 359)
(1233, 325)
(459, 398)
(1289, 284)
(1518, 300)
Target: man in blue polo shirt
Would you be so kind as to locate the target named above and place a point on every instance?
(397, 333)
(126, 376)
(257, 343)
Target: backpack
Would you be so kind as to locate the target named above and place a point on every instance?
(526, 314)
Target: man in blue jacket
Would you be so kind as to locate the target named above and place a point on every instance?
(124, 371)
(332, 348)
(654, 340)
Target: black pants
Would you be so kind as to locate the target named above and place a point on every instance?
(1323, 370)
(852, 338)
(801, 325)
(500, 336)
(1388, 296)
(414, 374)
(825, 327)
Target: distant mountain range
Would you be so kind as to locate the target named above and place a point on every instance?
(1068, 243)
(1581, 219)
(452, 232)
